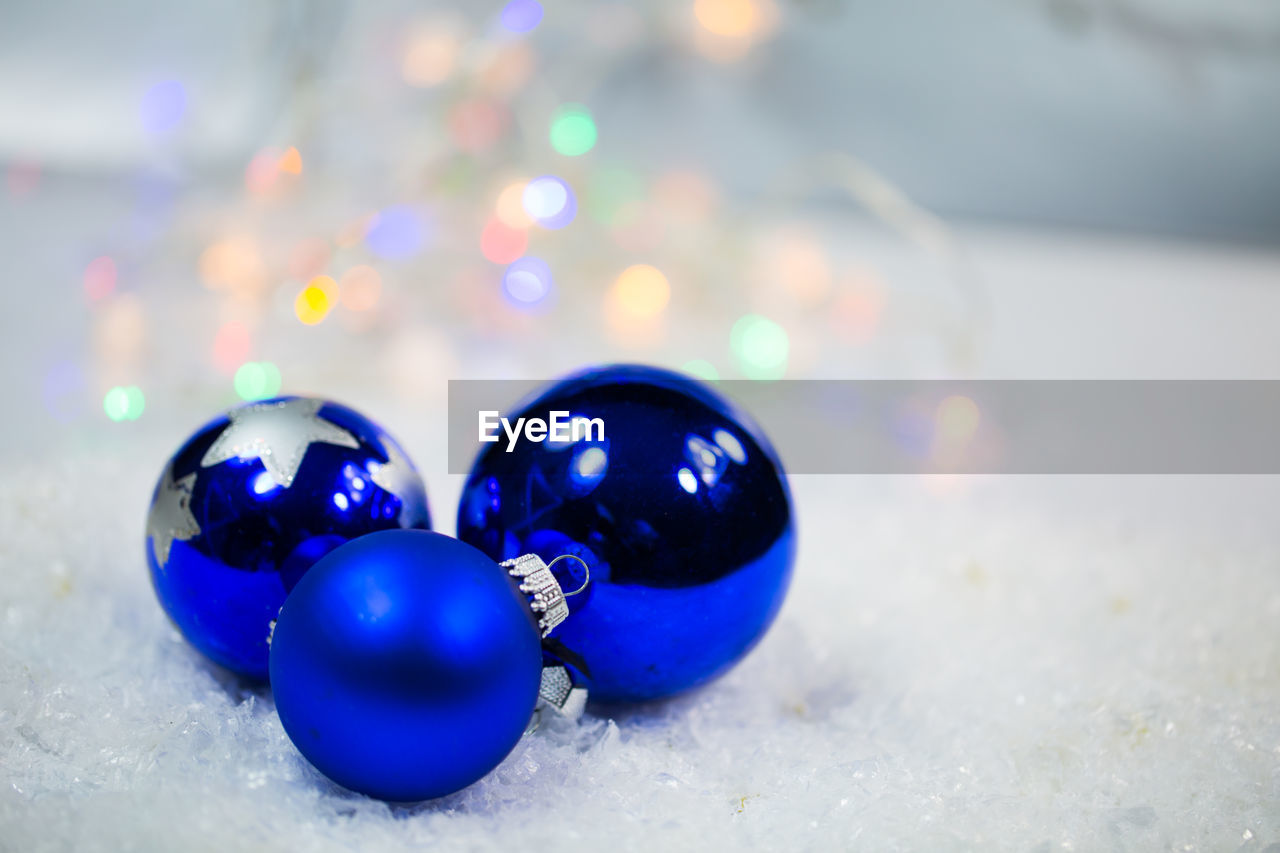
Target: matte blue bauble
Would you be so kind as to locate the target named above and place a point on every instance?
(682, 513)
(405, 665)
(252, 500)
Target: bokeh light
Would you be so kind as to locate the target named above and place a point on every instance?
(573, 130)
(701, 369)
(290, 162)
(100, 278)
(858, 307)
(549, 201)
(728, 18)
(257, 380)
(527, 282)
(124, 403)
(308, 258)
(502, 244)
(315, 301)
(163, 105)
(521, 16)
(233, 264)
(638, 227)
(22, 177)
(610, 191)
(642, 291)
(62, 389)
(430, 56)
(263, 171)
(761, 347)
(797, 260)
(615, 26)
(120, 329)
(508, 69)
(475, 125)
(360, 288)
(956, 420)
(231, 346)
(686, 195)
(397, 233)
(510, 206)
(727, 29)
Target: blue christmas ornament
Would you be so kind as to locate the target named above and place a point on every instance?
(681, 512)
(252, 500)
(405, 665)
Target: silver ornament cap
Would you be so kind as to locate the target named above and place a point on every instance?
(546, 597)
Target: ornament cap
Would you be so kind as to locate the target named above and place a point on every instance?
(546, 596)
(558, 696)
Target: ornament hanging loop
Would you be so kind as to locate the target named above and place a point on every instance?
(546, 598)
(585, 581)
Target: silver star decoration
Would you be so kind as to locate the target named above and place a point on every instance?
(398, 477)
(170, 517)
(278, 434)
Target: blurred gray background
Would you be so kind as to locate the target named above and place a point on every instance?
(1153, 115)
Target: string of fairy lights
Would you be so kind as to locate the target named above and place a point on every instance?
(518, 240)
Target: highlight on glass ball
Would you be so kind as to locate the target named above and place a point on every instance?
(681, 512)
(252, 500)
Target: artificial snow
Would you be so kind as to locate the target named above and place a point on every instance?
(1015, 663)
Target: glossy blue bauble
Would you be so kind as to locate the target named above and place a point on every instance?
(682, 513)
(405, 665)
(252, 500)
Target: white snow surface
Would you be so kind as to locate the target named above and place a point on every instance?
(1020, 663)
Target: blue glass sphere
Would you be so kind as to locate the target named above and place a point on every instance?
(252, 500)
(405, 665)
(681, 511)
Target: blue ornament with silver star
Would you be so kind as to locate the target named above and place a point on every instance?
(681, 512)
(251, 501)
